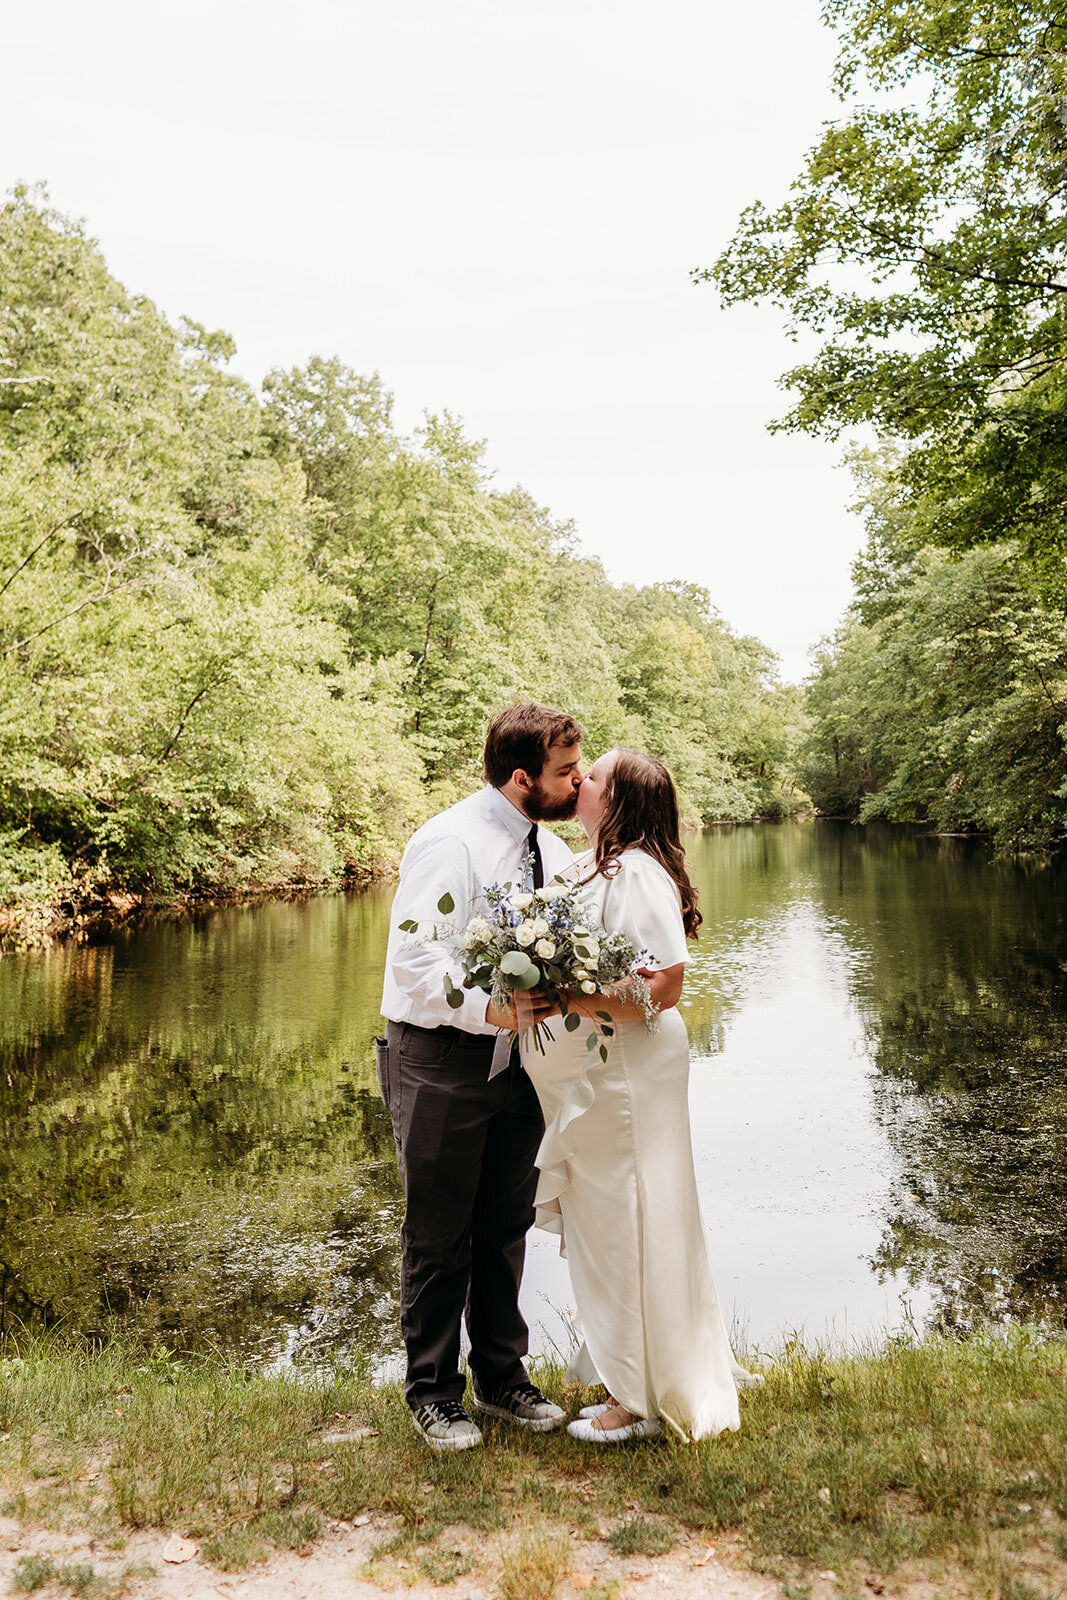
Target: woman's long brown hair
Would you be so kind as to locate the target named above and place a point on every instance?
(641, 810)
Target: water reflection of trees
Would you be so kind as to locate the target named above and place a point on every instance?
(962, 1002)
(747, 877)
(190, 1139)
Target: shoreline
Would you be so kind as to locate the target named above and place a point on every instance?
(93, 915)
(97, 914)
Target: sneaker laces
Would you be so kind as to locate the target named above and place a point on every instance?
(446, 1411)
(528, 1392)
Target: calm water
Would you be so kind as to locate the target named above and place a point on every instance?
(191, 1138)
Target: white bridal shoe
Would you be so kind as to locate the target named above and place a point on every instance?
(641, 1428)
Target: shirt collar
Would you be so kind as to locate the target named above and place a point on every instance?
(501, 810)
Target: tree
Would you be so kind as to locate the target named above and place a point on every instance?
(251, 642)
(925, 241)
(176, 705)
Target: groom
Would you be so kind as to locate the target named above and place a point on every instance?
(467, 1126)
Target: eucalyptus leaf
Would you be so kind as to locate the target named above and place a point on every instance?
(446, 905)
(572, 1021)
(517, 964)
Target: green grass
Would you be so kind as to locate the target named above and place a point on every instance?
(38, 1571)
(637, 1536)
(533, 1564)
(937, 1452)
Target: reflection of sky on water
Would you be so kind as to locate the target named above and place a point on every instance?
(793, 1171)
(191, 1138)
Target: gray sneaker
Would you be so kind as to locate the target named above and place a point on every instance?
(524, 1404)
(446, 1426)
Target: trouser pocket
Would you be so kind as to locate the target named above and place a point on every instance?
(381, 1064)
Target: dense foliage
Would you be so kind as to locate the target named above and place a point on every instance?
(943, 695)
(254, 640)
(943, 185)
(923, 242)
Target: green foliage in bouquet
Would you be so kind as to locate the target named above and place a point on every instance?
(546, 940)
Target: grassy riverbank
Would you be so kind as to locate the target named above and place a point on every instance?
(945, 1460)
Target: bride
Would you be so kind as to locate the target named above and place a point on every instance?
(616, 1162)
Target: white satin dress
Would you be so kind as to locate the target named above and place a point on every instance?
(617, 1183)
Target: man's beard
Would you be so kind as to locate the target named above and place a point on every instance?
(539, 808)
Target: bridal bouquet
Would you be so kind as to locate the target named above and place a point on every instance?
(544, 939)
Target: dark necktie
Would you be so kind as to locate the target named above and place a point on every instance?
(538, 865)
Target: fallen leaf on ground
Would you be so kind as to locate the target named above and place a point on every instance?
(706, 1557)
(176, 1550)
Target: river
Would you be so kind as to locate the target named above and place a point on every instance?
(193, 1144)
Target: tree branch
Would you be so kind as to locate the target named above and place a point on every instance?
(23, 564)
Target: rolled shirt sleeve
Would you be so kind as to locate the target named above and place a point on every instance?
(417, 963)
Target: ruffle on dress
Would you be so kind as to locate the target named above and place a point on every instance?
(553, 1156)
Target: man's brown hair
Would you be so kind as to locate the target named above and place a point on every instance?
(519, 739)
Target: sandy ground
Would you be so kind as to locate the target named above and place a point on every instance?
(332, 1568)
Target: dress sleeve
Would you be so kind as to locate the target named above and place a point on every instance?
(642, 901)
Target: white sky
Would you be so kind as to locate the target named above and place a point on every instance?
(496, 207)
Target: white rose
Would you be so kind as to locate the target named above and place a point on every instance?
(587, 987)
(524, 933)
(545, 949)
(478, 928)
(552, 891)
(540, 927)
(521, 901)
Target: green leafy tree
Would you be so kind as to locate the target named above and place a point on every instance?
(949, 707)
(251, 641)
(177, 705)
(923, 240)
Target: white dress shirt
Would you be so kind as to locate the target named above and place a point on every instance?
(480, 841)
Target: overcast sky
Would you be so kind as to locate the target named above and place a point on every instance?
(496, 206)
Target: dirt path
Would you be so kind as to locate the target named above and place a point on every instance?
(332, 1569)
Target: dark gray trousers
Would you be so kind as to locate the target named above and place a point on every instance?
(466, 1151)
